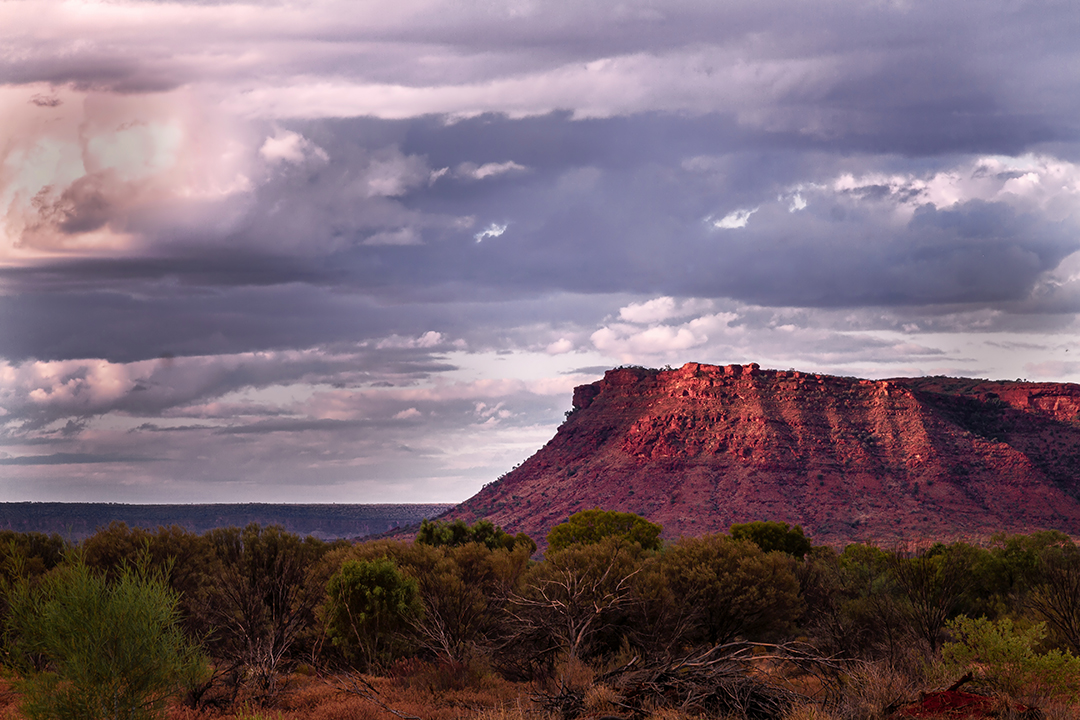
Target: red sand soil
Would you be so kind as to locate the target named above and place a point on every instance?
(954, 705)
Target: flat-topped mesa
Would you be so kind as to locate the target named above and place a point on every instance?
(700, 447)
(689, 378)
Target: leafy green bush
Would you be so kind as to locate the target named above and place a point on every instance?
(1003, 655)
(774, 537)
(458, 533)
(369, 604)
(720, 589)
(88, 648)
(591, 526)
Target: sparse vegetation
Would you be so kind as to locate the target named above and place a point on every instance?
(462, 623)
(1005, 657)
(86, 647)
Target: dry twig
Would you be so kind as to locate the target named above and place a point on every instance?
(357, 685)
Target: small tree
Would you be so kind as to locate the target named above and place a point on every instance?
(589, 527)
(464, 591)
(720, 589)
(89, 649)
(773, 536)
(932, 585)
(369, 603)
(574, 597)
(260, 602)
(1057, 597)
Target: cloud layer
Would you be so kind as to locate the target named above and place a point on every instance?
(260, 251)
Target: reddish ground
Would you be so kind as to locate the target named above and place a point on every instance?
(954, 705)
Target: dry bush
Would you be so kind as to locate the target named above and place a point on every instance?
(808, 712)
(874, 689)
(451, 704)
(1060, 711)
(716, 683)
(334, 698)
(519, 710)
(601, 699)
(666, 713)
(575, 673)
(9, 701)
(444, 675)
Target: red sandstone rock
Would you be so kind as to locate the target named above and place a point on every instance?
(907, 459)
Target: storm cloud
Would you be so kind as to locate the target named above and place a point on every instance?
(363, 253)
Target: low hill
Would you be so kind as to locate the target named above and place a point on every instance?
(80, 520)
(907, 459)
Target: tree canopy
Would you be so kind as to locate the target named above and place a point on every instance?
(773, 536)
(589, 527)
(454, 534)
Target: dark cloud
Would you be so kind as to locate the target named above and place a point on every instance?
(615, 206)
(381, 254)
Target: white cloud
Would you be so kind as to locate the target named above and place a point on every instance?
(491, 231)
(559, 347)
(101, 173)
(1031, 182)
(673, 79)
(290, 147)
(429, 339)
(662, 308)
(392, 174)
(479, 172)
(734, 220)
(626, 341)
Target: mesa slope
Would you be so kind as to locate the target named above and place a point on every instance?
(906, 459)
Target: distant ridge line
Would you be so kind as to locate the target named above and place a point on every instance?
(79, 520)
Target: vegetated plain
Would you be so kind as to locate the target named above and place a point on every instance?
(464, 622)
(78, 521)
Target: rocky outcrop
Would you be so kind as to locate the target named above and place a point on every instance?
(907, 459)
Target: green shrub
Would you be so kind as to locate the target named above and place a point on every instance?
(1003, 655)
(87, 648)
(457, 533)
(589, 527)
(720, 588)
(369, 605)
(773, 537)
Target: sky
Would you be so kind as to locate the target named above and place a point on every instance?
(353, 251)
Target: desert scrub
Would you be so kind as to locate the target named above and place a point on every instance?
(368, 608)
(1003, 655)
(90, 649)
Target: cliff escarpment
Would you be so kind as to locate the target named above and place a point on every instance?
(906, 459)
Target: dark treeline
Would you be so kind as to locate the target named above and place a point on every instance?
(78, 521)
(264, 603)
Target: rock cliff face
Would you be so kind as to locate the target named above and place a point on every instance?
(906, 459)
